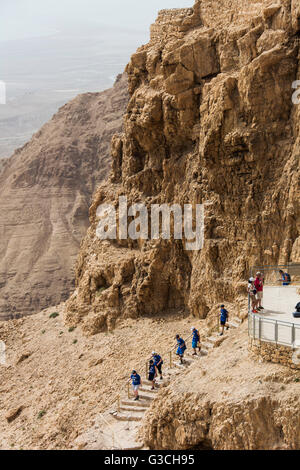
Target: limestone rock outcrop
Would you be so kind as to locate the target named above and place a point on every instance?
(210, 121)
(45, 193)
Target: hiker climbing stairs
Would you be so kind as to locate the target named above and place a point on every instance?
(131, 412)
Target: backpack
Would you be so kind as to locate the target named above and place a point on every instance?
(298, 307)
(287, 277)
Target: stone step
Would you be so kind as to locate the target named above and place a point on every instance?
(148, 389)
(136, 404)
(146, 397)
(187, 360)
(233, 324)
(196, 358)
(172, 372)
(123, 416)
(157, 382)
(175, 372)
(213, 339)
(207, 345)
(136, 409)
(179, 366)
(134, 447)
(199, 354)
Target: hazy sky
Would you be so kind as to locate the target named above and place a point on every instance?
(52, 50)
(31, 18)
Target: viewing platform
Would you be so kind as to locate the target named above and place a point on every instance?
(276, 323)
(274, 332)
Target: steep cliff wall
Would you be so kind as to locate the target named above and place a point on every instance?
(45, 193)
(210, 121)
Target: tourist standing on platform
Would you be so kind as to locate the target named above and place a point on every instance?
(259, 286)
(285, 278)
(252, 294)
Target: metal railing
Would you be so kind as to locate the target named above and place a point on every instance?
(269, 329)
(273, 331)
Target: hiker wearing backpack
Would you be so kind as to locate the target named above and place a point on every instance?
(195, 341)
(136, 383)
(285, 278)
(252, 294)
(158, 362)
(181, 347)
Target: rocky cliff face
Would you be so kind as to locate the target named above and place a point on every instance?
(210, 121)
(46, 189)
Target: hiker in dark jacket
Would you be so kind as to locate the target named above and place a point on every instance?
(181, 348)
(224, 317)
(195, 341)
(158, 362)
(152, 373)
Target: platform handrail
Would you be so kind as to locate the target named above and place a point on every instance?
(255, 319)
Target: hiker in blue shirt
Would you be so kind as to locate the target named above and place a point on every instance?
(224, 317)
(158, 362)
(181, 348)
(136, 383)
(195, 340)
(152, 373)
(285, 278)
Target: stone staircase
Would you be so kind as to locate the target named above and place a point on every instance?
(133, 411)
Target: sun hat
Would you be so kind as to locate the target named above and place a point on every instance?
(251, 279)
